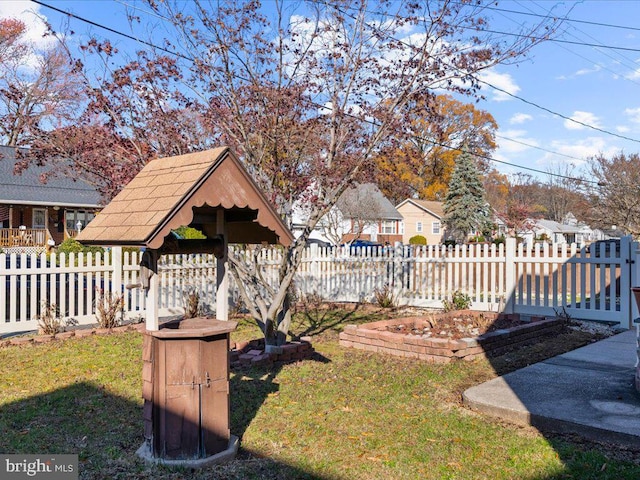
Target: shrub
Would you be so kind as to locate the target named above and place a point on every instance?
(49, 322)
(459, 301)
(108, 306)
(71, 245)
(192, 306)
(190, 233)
(499, 240)
(417, 240)
(384, 297)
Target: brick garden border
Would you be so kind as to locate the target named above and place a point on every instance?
(248, 354)
(78, 333)
(374, 337)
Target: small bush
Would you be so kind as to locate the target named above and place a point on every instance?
(108, 309)
(459, 301)
(499, 240)
(417, 240)
(192, 306)
(190, 233)
(384, 297)
(49, 321)
(71, 245)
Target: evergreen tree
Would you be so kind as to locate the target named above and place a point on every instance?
(465, 207)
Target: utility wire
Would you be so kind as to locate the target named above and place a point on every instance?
(112, 30)
(479, 80)
(625, 62)
(564, 19)
(539, 148)
(371, 122)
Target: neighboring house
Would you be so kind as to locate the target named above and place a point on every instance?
(362, 212)
(422, 217)
(34, 215)
(368, 215)
(567, 231)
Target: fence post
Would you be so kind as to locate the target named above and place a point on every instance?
(510, 275)
(634, 260)
(397, 269)
(116, 271)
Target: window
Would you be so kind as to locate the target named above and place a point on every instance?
(419, 227)
(435, 228)
(72, 217)
(388, 227)
(401, 227)
(39, 218)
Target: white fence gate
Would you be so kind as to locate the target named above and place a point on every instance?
(589, 283)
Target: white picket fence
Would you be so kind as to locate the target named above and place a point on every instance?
(589, 283)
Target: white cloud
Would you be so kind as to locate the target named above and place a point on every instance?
(579, 73)
(503, 81)
(635, 75)
(623, 129)
(582, 117)
(633, 114)
(582, 149)
(513, 141)
(587, 71)
(519, 118)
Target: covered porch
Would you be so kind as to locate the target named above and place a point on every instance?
(37, 228)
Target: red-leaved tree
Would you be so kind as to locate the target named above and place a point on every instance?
(305, 93)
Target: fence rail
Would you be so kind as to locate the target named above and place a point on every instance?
(590, 283)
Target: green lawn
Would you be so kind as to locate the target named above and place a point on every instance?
(346, 415)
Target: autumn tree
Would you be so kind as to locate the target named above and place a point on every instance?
(306, 94)
(465, 207)
(11, 30)
(133, 113)
(496, 187)
(39, 87)
(523, 204)
(615, 196)
(420, 162)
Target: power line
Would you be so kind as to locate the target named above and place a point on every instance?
(371, 122)
(564, 19)
(539, 148)
(533, 104)
(626, 61)
(500, 89)
(112, 30)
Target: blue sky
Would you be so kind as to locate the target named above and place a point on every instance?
(593, 84)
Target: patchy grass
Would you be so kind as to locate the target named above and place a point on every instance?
(346, 415)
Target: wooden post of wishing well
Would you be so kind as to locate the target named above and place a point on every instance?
(222, 277)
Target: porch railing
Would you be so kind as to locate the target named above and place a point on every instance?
(23, 237)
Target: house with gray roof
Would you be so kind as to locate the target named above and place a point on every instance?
(567, 231)
(361, 213)
(36, 214)
(368, 215)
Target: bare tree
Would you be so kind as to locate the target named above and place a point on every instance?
(564, 193)
(615, 198)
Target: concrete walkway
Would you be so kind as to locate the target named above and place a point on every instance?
(589, 391)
